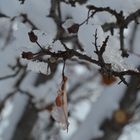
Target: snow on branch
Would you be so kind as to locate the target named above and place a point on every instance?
(105, 68)
(121, 22)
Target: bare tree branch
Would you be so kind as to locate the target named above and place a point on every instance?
(112, 128)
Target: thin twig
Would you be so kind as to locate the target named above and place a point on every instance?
(10, 76)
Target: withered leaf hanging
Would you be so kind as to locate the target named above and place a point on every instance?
(60, 111)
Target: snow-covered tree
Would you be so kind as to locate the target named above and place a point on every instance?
(69, 69)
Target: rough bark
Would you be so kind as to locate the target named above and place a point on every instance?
(26, 124)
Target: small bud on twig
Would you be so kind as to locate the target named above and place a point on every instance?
(74, 28)
(27, 55)
(33, 38)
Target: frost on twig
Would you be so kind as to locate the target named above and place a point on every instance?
(39, 67)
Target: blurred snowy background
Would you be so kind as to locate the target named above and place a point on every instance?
(24, 85)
